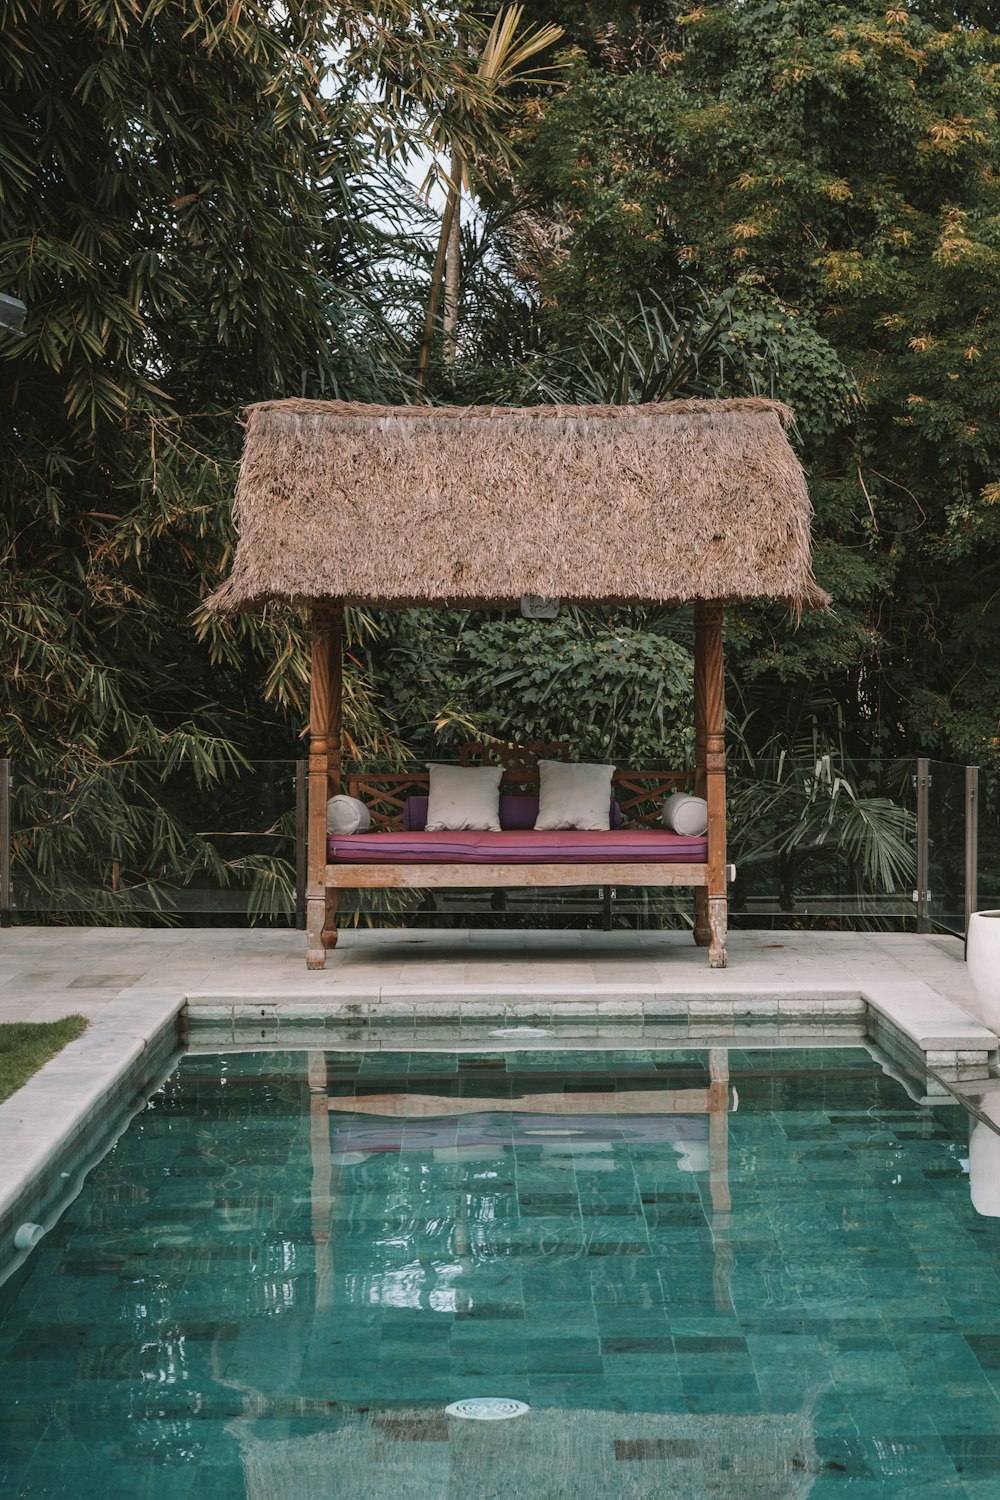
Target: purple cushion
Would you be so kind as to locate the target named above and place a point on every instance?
(564, 846)
(415, 814)
(517, 813)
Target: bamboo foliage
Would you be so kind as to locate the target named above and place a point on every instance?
(180, 211)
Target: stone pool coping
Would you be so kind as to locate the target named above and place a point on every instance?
(929, 1021)
(55, 1127)
(62, 1121)
(919, 1029)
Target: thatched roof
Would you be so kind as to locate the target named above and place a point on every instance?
(419, 505)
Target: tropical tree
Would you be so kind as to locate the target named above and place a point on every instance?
(612, 684)
(834, 168)
(503, 57)
(654, 353)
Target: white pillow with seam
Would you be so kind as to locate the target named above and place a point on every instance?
(347, 815)
(686, 815)
(463, 798)
(574, 795)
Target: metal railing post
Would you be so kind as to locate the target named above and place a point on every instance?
(971, 843)
(301, 840)
(922, 895)
(5, 836)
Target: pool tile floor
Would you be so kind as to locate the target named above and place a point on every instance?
(768, 1283)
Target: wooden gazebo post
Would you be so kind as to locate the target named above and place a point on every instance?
(711, 902)
(325, 729)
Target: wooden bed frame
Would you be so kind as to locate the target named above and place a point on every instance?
(641, 794)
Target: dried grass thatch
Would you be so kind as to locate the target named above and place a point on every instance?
(479, 505)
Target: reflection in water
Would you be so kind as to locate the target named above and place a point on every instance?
(550, 1454)
(984, 1160)
(481, 1258)
(275, 1289)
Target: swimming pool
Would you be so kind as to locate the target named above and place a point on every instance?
(747, 1273)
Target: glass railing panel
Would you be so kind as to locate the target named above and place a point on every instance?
(946, 846)
(813, 840)
(988, 886)
(141, 838)
(822, 838)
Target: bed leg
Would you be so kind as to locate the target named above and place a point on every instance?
(330, 917)
(315, 917)
(718, 921)
(702, 929)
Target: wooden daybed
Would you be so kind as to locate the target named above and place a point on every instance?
(697, 502)
(639, 852)
(602, 859)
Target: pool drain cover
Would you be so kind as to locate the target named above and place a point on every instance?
(487, 1408)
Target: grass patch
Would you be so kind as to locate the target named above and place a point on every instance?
(26, 1045)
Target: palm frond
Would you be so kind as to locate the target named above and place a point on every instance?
(661, 351)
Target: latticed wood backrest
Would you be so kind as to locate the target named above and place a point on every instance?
(640, 794)
(385, 792)
(520, 762)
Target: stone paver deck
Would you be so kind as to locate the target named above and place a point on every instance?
(48, 972)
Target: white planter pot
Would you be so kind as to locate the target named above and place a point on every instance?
(983, 959)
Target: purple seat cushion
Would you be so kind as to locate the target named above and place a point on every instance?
(520, 847)
(516, 813)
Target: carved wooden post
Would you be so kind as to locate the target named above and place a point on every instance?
(321, 1191)
(325, 711)
(710, 724)
(718, 1159)
(702, 931)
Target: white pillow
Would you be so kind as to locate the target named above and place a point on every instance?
(686, 815)
(347, 815)
(463, 797)
(573, 796)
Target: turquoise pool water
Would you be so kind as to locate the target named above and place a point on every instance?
(746, 1274)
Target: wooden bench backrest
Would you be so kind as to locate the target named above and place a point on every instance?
(640, 794)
